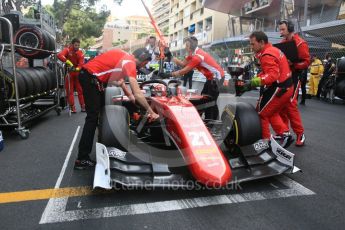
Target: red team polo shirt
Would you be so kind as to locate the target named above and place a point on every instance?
(114, 65)
(205, 64)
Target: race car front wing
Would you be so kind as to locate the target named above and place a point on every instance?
(118, 168)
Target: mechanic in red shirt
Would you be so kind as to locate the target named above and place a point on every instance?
(111, 66)
(291, 113)
(204, 63)
(275, 78)
(74, 58)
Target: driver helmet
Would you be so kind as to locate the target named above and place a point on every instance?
(158, 90)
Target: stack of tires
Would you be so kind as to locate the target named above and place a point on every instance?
(34, 37)
(31, 81)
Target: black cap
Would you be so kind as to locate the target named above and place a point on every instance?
(142, 54)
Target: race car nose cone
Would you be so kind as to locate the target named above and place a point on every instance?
(212, 173)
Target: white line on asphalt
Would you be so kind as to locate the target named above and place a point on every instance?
(58, 211)
(51, 203)
(58, 182)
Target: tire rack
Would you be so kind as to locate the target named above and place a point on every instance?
(19, 128)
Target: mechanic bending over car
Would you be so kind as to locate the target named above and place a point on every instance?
(204, 63)
(74, 59)
(113, 65)
(299, 77)
(275, 78)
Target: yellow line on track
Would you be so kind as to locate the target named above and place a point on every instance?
(44, 194)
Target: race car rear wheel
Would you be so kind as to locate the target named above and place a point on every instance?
(241, 124)
(110, 92)
(114, 127)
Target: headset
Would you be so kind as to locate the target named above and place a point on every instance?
(290, 26)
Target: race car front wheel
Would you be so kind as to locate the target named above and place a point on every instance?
(113, 130)
(241, 124)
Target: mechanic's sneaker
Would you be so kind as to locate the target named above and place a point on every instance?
(284, 140)
(300, 140)
(73, 110)
(83, 108)
(83, 164)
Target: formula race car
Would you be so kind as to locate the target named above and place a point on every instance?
(182, 146)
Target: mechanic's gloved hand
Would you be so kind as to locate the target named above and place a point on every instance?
(164, 75)
(154, 66)
(242, 86)
(69, 63)
(255, 82)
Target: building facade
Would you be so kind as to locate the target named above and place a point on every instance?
(123, 32)
(189, 17)
(161, 13)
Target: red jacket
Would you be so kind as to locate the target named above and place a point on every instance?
(274, 65)
(112, 66)
(76, 57)
(205, 63)
(303, 52)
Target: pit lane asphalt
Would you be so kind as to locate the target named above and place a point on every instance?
(35, 164)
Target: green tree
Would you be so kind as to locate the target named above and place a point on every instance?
(30, 13)
(62, 10)
(85, 24)
(74, 18)
(82, 20)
